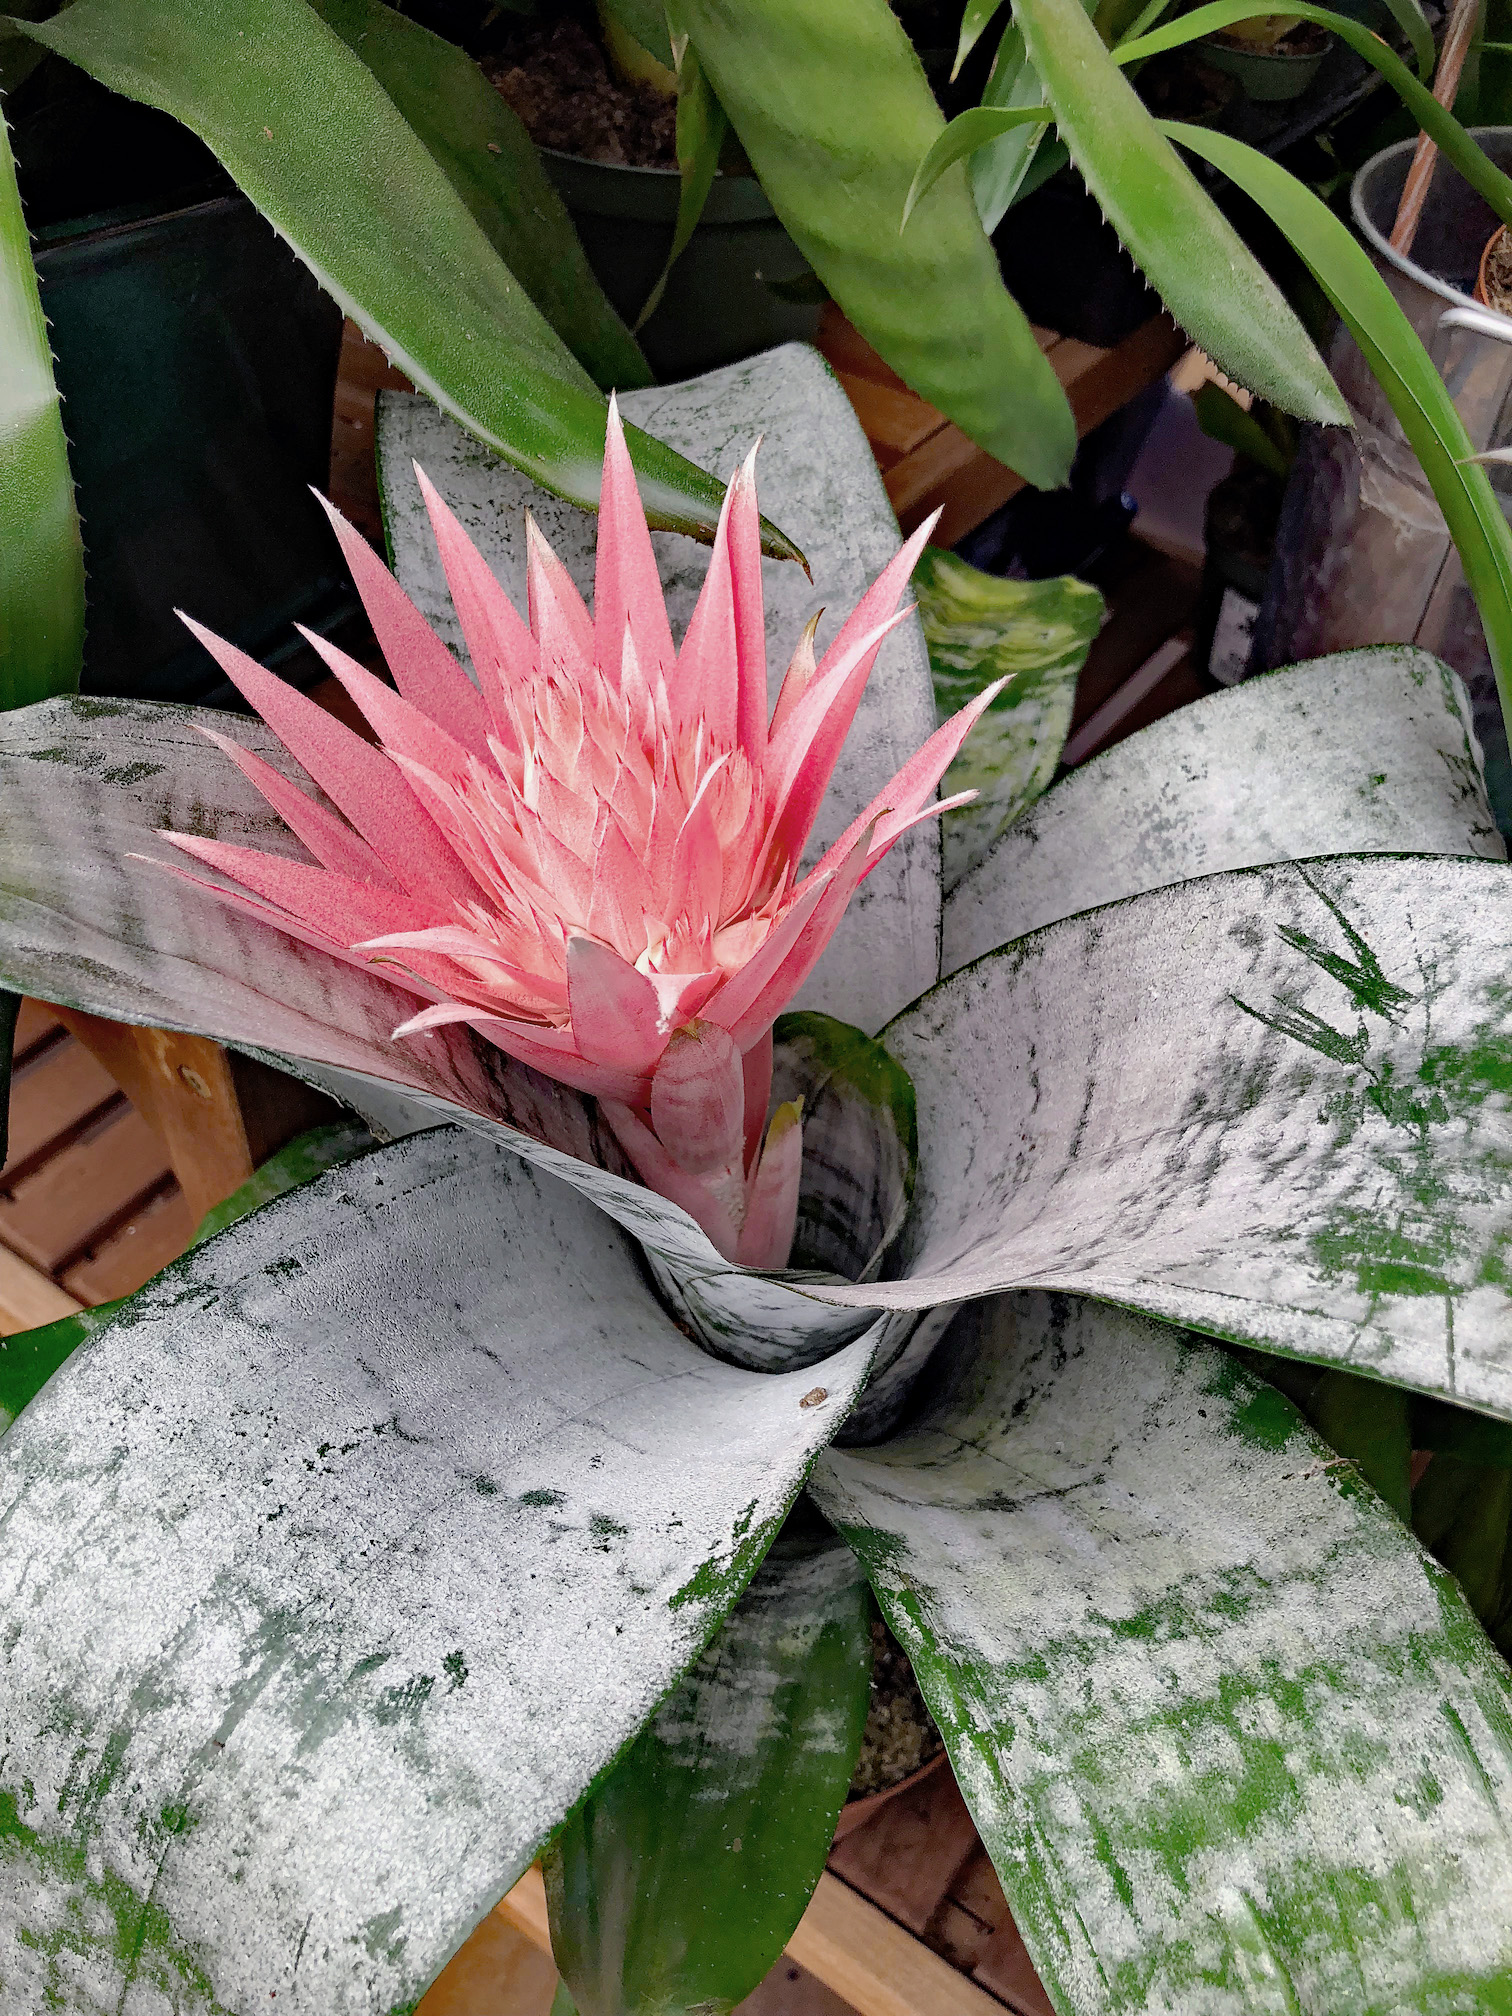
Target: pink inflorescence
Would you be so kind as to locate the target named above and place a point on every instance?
(592, 855)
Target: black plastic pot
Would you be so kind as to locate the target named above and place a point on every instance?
(1065, 267)
(197, 361)
(741, 286)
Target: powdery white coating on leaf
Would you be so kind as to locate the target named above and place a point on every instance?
(86, 786)
(1274, 1105)
(1235, 1743)
(1363, 752)
(336, 1571)
(818, 479)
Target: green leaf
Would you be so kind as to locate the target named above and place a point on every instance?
(975, 21)
(30, 1358)
(345, 1561)
(1426, 109)
(860, 1143)
(1440, 124)
(679, 1880)
(966, 134)
(1418, 395)
(832, 107)
(480, 146)
(42, 579)
(1362, 752)
(982, 627)
(1233, 1744)
(314, 140)
(1208, 278)
(1000, 169)
(645, 21)
(1223, 419)
(701, 130)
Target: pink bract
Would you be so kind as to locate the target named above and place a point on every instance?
(594, 850)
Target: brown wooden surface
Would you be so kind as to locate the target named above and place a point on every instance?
(928, 463)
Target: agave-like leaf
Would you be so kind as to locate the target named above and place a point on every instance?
(979, 628)
(832, 107)
(42, 580)
(1233, 1743)
(322, 150)
(1208, 278)
(478, 142)
(307, 1557)
(1365, 751)
(817, 476)
(1270, 1105)
(679, 1880)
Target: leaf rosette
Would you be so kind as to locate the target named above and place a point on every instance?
(409, 1516)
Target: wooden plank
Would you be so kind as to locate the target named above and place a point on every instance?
(844, 1941)
(137, 1250)
(907, 1855)
(847, 350)
(880, 1969)
(28, 1298)
(51, 1099)
(1106, 380)
(1005, 1969)
(183, 1086)
(36, 1024)
(893, 420)
(499, 1972)
(362, 372)
(790, 1990)
(78, 1196)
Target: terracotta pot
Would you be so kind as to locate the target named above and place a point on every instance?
(1480, 272)
(854, 1811)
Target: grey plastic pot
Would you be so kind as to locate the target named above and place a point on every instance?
(1267, 75)
(741, 286)
(1363, 555)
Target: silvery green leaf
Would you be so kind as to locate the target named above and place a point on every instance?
(87, 921)
(1363, 752)
(981, 627)
(819, 479)
(676, 1884)
(1237, 1748)
(1270, 1105)
(337, 1568)
(860, 1143)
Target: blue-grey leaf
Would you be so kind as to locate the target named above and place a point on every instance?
(337, 1568)
(1237, 1747)
(1274, 1105)
(1363, 752)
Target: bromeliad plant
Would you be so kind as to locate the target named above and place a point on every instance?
(440, 1510)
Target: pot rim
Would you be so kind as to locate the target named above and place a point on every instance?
(1282, 56)
(638, 194)
(1380, 245)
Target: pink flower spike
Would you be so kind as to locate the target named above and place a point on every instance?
(594, 866)
(771, 1218)
(424, 670)
(627, 592)
(906, 793)
(698, 1101)
(710, 1211)
(500, 645)
(329, 839)
(615, 1017)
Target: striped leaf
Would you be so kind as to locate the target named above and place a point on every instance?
(1236, 1746)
